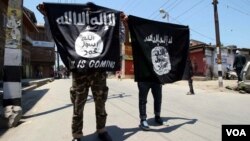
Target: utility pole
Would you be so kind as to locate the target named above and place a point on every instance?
(12, 89)
(218, 44)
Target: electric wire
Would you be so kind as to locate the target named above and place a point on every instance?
(235, 9)
(203, 35)
(125, 4)
(192, 7)
(134, 6)
(128, 6)
(171, 5)
(156, 11)
(237, 4)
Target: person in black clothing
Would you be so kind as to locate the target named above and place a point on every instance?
(239, 62)
(188, 74)
(156, 89)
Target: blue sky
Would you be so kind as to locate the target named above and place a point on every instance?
(234, 16)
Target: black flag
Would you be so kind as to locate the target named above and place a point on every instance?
(159, 50)
(86, 35)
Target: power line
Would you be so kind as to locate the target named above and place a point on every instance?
(135, 5)
(177, 3)
(172, 5)
(125, 4)
(185, 12)
(246, 2)
(238, 10)
(156, 11)
(238, 5)
(205, 36)
(201, 10)
(158, 14)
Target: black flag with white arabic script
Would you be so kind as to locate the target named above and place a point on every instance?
(159, 50)
(86, 35)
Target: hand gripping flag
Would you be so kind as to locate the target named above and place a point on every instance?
(86, 35)
(159, 50)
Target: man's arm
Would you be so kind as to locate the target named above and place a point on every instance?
(122, 27)
(41, 9)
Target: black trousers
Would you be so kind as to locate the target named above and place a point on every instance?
(156, 90)
(238, 71)
(190, 83)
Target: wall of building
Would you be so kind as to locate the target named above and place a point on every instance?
(42, 61)
(197, 59)
(227, 57)
(129, 66)
(32, 58)
(204, 60)
(42, 54)
(26, 61)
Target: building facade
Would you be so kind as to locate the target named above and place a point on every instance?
(43, 54)
(204, 58)
(35, 44)
(202, 55)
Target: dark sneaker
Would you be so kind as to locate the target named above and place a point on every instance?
(104, 136)
(76, 139)
(144, 125)
(158, 120)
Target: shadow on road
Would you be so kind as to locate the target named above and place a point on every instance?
(47, 112)
(28, 101)
(169, 127)
(90, 99)
(121, 134)
(117, 133)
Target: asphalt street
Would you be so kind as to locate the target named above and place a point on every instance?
(199, 117)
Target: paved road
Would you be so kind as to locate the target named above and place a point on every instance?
(197, 117)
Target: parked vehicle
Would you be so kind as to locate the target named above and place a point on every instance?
(246, 73)
(230, 74)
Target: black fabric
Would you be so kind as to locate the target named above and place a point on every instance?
(86, 35)
(12, 73)
(159, 50)
(14, 101)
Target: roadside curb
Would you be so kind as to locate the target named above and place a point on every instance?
(30, 84)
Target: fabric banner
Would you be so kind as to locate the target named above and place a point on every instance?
(86, 35)
(159, 50)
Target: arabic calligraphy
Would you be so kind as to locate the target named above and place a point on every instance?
(84, 18)
(157, 39)
(89, 44)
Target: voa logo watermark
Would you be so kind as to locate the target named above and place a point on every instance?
(236, 132)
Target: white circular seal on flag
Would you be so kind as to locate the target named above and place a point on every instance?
(89, 44)
(160, 60)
